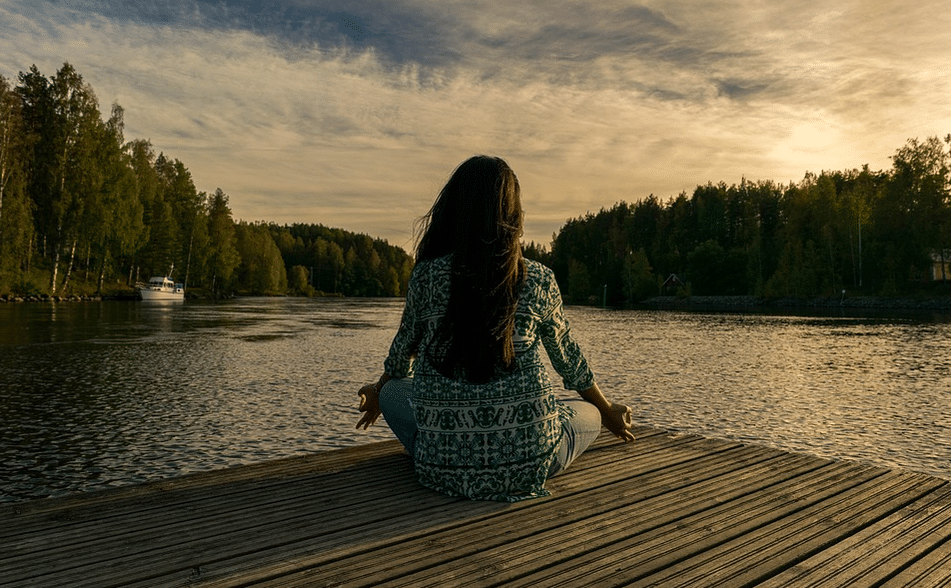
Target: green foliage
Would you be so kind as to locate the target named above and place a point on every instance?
(298, 282)
(579, 282)
(16, 216)
(639, 278)
(76, 200)
(78, 203)
(342, 262)
(262, 269)
(588, 255)
(868, 232)
(536, 252)
(224, 257)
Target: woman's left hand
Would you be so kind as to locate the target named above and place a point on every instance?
(369, 405)
(617, 419)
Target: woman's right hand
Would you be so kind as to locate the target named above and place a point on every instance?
(369, 405)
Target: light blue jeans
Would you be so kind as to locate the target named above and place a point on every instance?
(578, 433)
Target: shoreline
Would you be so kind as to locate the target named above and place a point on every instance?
(755, 303)
(129, 297)
(712, 303)
(46, 298)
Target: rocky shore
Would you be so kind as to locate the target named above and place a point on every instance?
(48, 298)
(129, 295)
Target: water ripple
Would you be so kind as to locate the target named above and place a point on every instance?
(98, 395)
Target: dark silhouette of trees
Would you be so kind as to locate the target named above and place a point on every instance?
(343, 262)
(76, 197)
(858, 230)
(81, 204)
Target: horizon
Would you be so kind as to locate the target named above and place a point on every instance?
(353, 116)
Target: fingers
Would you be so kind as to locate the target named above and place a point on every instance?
(369, 405)
(370, 409)
(623, 434)
(626, 420)
(368, 419)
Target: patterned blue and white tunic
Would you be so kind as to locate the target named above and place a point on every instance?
(495, 440)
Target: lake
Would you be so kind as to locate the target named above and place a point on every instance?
(100, 394)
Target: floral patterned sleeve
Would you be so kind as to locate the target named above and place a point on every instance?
(399, 361)
(565, 354)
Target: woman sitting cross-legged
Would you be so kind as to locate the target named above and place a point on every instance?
(464, 387)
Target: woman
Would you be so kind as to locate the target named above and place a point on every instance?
(464, 387)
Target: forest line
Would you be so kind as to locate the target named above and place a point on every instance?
(853, 232)
(82, 208)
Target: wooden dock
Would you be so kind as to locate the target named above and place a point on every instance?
(667, 510)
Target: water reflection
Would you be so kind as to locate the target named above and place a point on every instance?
(841, 387)
(100, 394)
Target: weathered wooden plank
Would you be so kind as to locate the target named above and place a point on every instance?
(610, 499)
(451, 511)
(211, 532)
(583, 512)
(320, 542)
(211, 517)
(537, 550)
(32, 516)
(762, 547)
(931, 571)
(880, 551)
(665, 543)
(447, 509)
(196, 545)
(164, 514)
(669, 510)
(166, 499)
(209, 538)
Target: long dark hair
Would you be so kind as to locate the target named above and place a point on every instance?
(477, 218)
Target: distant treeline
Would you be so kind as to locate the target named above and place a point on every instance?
(876, 233)
(334, 260)
(81, 208)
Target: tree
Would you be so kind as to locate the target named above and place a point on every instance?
(579, 281)
(639, 279)
(859, 194)
(536, 252)
(707, 264)
(114, 223)
(188, 215)
(298, 281)
(918, 194)
(223, 258)
(140, 158)
(76, 177)
(16, 219)
(644, 222)
(262, 268)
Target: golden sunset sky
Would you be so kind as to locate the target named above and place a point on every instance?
(353, 114)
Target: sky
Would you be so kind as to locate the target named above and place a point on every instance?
(354, 114)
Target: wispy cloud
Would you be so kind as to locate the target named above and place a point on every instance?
(354, 114)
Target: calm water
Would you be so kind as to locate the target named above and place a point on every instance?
(103, 394)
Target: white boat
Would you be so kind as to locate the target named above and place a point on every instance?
(162, 288)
